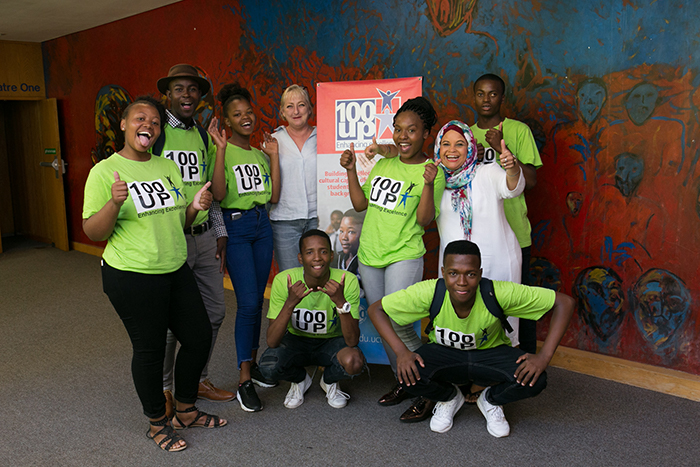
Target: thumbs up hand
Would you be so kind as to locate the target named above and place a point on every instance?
(202, 200)
(431, 171)
(120, 192)
(494, 137)
(348, 158)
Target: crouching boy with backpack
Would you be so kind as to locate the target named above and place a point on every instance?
(467, 338)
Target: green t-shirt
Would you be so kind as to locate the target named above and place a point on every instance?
(390, 232)
(521, 143)
(248, 181)
(186, 148)
(479, 330)
(315, 315)
(148, 236)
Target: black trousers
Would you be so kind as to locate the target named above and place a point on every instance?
(149, 305)
(528, 327)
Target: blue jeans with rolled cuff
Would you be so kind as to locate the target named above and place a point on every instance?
(248, 261)
(445, 366)
(286, 362)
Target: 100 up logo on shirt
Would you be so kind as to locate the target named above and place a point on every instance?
(148, 196)
(454, 339)
(248, 178)
(188, 162)
(385, 192)
(310, 321)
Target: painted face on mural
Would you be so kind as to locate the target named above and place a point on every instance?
(641, 102)
(590, 97)
(544, 273)
(488, 97)
(661, 305)
(240, 117)
(184, 96)
(296, 111)
(349, 235)
(598, 291)
(409, 134)
(453, 150)
(629, 170)
(574, 201)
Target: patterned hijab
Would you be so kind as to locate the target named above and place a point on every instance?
(460, 180)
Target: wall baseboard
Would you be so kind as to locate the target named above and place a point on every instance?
(641, 375)
(654, 378)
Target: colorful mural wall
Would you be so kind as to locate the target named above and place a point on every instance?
(610, 89)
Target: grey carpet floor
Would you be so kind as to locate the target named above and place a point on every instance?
(67, 399)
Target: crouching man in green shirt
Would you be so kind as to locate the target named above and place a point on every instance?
(468, 343)
(314, 320)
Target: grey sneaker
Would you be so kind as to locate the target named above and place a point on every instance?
(336, 398)
(444, 413)
(496, 422)
(295, 396)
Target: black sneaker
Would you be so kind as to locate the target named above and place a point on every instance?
(259, 379)
(250, 402)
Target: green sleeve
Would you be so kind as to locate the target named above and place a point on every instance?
(278, 295)
(411, 304)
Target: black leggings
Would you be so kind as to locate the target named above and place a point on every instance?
(149, 305)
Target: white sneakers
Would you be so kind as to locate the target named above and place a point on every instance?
(444, 413)
(496, 422)
(336, 398)
(295, 396)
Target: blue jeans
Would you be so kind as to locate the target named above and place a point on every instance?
(445, 366)
(287, 361)
(248, 261)
(286, 235)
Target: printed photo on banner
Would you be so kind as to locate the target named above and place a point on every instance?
(355, 112)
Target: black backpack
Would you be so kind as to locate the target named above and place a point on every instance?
(487, 295)
(160, 142)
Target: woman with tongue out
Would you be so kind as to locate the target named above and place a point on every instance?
(244, 180)
(402, 196)
(136, 202)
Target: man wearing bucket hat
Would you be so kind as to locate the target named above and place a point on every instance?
(186, 143)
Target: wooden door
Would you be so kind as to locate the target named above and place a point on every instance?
(34, 151)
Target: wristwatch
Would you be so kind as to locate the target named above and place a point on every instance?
(344, 309)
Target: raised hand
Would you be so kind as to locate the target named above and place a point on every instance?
(270, 145)
(120, 192)
(297, 291)
(219, 137)
(480, 151)
(494, 137)
(508, 160)
(202, 200)
(335, 290)
(431, 171)
(348, 158)
(372, 150)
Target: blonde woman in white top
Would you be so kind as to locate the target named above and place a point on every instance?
(295, 213)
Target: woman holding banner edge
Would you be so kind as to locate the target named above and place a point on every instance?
(402, 196)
